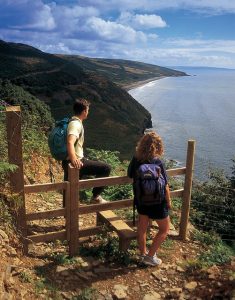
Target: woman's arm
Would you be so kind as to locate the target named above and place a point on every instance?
(168, 196)
(131, 168)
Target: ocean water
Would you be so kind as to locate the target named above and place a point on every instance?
(199, 107)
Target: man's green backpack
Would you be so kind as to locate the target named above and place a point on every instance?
(57, 139)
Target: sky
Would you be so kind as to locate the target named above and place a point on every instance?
(160, 32)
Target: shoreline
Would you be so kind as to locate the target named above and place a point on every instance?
(140, 83)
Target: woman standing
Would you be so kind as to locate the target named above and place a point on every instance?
(148, 151)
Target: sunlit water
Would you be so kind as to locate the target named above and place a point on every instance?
(200, 107)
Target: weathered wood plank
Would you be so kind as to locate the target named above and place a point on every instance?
(15, 156)
(105, 206)
(112, 205)
(45, 187)
(176, 171)
(46, 214)
(122, 229)
(118, 180)
(74, 200)
(67, 211)
(90, 231)
(47, 237)
(105, 181)
(177, 193)
(187, 190)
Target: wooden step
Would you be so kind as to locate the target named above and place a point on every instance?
(125, 232)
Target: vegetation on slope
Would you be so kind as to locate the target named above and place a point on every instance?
(122, 72)
(213, 204)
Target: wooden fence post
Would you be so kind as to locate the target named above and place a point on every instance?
(66, 198)
(74, 203)
(15, 156)
(187, 190)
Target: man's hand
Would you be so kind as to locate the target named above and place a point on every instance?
(76, 162)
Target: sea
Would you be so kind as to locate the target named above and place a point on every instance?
(198, 107)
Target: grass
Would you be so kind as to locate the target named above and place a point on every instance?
(25, 277)
(43, 284)
(214, 252)
(63, 259)
(86, 294)
(168, 244)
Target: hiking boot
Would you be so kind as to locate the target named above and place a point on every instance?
(152, 260)
(98, 200)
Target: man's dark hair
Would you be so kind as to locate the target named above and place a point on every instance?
(80, 105)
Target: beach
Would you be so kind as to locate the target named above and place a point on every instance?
(137, 84)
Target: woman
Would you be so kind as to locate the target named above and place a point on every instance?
(149, 149)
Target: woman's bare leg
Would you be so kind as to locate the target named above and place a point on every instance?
(164, 226)
(143, 222)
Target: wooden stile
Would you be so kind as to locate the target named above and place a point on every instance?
(72, 208)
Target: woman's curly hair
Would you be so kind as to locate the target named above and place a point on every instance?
(149, 146)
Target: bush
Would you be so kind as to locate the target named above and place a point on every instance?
(118, 168)
(214, 252)
(35, 113)
(213, 205)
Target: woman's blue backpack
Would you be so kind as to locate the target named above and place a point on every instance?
(149, 184)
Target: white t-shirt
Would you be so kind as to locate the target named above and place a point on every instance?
(76, 128)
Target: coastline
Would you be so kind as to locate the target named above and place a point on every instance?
(140, 83)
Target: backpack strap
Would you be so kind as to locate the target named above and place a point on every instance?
(133, 217)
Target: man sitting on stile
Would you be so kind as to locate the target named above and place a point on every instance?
(75, 140)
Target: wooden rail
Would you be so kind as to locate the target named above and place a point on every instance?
(73, 209)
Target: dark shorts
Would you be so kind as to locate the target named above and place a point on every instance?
(155, 212)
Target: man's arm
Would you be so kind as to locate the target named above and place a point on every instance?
(76, 162)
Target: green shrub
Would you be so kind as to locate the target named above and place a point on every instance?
(110, 157)
(63, 259)
(216, 254)
(35, 113)
(213, 205)
(118, 168)
(215, 251)
(86, 294)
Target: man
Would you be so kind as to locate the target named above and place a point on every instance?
(75, 140)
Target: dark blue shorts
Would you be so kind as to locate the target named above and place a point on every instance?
(155, 212)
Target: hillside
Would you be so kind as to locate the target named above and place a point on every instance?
(57, 81)
(122, 72)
